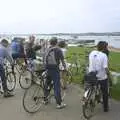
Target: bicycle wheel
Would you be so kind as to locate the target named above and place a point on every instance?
(25, 79)
(11, 81)
(88, 109)
(74, 69)
(68, 77)
(88, 104)
(33, 99)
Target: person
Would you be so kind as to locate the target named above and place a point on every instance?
(106, 51)
(31, 48)
(15, 47)
(62, 46)
(4, 53)
(98, 62)
(52, 59)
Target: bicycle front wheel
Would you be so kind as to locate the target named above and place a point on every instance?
(11, 81)
(33, 98)
(25, 79)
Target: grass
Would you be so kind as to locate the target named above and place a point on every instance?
(115, 91)
(114, 62)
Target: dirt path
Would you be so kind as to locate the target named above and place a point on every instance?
(12, 109)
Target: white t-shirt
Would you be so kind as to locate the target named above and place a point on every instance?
(98, 61)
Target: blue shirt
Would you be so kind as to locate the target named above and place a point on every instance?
(4, 53)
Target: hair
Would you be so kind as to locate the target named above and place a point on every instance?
(62, 44)
(53, 41)
(101, 45)
(4, 41)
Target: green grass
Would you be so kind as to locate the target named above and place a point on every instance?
(114, 66)
(115, 61)
(115, 91)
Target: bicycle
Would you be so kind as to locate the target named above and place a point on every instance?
(25, 78)
(75, 61)
(91, 97)
(10, 77)
(34, 96)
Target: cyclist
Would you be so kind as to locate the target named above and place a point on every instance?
(4, 53)
(17, 47)
(52, 59)
(31, 50)
(98, 62)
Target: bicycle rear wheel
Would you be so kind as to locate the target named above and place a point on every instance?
(74, 69)
(88, 109)
(25, 79)
(88, 104)
(33, 99)
(11, 81)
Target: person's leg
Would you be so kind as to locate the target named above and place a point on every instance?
(55, 76)
(3, 78)
(104, 88)
(47, 87)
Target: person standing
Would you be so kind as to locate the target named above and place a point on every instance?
(5, 54)
(52, 59)
(98, 62)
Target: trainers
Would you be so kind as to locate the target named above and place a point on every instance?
(62, 105)
(8, 94)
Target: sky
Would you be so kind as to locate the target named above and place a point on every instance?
(59, 16)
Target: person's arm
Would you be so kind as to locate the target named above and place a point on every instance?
(9, 57)
(105, 65)
(61, 56)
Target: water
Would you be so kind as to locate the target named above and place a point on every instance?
(112, 40)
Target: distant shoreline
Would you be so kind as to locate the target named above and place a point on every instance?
(114, 49)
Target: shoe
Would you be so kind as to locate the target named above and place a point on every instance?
(8, 94)
(62, 105)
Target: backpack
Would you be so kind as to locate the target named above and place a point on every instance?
(16, 48)
(50, 58)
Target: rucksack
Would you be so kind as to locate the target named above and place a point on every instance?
(16, 48)
(50, 58)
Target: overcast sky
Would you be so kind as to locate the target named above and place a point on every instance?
(51, 16)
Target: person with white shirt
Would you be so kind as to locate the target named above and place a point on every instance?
(98, 62)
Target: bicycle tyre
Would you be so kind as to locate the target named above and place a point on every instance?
(25, 79)
(74, 69)
(87, 107)
(11, 81)
(33, 99)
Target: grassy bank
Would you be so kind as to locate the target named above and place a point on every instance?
(114, 66)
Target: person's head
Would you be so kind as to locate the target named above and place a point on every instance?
(106, 45)
(32, 39)
(15, 39)
(62, 44)
(101, 46)
(22, 40)
(53, 41)
(5, 43)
